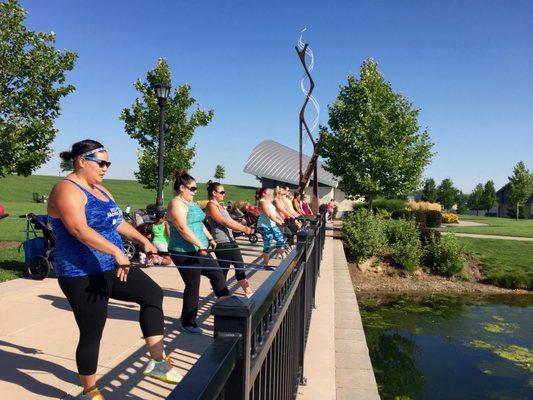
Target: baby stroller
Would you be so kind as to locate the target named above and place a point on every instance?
(38, 250)
(142, 221)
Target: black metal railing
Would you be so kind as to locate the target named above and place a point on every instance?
(259, 343)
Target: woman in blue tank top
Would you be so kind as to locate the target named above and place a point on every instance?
(92, 268)
(188, 246)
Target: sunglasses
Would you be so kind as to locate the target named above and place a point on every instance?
(192, 188)
(101, 163)
(222, 192)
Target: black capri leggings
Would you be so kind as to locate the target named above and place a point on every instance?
(88, 297)
(191, 277)
(226, 254)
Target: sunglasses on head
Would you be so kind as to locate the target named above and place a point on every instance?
(101, 163)
(222, 192)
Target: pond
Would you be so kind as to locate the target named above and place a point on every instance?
(450, 347)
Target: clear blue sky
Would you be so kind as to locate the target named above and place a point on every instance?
(468, 65)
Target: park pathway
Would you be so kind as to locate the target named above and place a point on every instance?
(483, 236)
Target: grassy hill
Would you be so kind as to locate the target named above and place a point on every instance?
(16, 196)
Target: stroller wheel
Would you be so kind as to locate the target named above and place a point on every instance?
(253, 238)
(129, 249)
(38, 267)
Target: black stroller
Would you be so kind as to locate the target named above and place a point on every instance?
(38, 250)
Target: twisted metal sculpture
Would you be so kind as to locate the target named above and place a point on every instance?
(304, 51)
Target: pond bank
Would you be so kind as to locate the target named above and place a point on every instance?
(382, 278)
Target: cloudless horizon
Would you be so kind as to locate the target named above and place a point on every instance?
(466, 65)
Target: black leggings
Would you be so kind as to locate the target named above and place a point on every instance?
(227, 253)
(191, 277)
(88, 297)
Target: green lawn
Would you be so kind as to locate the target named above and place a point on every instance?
(16, 196)
(507, 263)
(11, 263)
(496, 226)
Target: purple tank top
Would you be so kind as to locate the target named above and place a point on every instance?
(72, 257)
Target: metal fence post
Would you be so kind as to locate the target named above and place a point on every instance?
(233, 318)
(302, 243)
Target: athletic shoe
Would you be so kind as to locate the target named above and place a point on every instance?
(193, 328)
(163, 370)
(92, 395)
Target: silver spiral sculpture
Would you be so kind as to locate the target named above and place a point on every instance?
(305, 54)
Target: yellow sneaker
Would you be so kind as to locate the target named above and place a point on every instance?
(92, 395)
(163, 370)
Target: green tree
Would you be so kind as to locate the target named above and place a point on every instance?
(520, 186)
(429, 192)
(32, 83)
(65, 166)
(475, 202)
(220, 172)
(141, 122)
(447, 194)
(375, 145)
(462, 202)
(488, 200)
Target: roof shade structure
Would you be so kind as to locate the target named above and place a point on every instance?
(272, 160)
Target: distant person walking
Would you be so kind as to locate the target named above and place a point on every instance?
(222, 227)
(188, 246)
(330, 209)
(92, 268)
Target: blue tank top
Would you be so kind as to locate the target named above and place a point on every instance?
(73, 258)
(195, 222)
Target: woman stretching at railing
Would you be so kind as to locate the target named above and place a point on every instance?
(222, 227)
(266, 224)
(189, 240)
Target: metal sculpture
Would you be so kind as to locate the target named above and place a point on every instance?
(304, 52)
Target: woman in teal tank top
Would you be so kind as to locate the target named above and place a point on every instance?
(189, 241)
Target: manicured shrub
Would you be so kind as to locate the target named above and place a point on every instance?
(426, 234)
(450, 218)
(363, 235)
(423, 206)
(433, 218)
(445, 256)
(402, 214)
(403, 239)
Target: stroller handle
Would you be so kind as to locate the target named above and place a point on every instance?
(27, 216)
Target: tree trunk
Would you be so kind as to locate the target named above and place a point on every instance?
(517, 211)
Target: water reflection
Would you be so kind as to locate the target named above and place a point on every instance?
(450, 347)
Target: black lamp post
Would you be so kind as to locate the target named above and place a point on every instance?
(162, 92)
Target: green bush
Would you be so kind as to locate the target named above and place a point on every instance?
(433, 218)
(445, 256)
(403, 238)
(389, 205)
(363, 235)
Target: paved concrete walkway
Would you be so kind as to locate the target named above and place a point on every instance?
(482, 236)
(345, 373)
(38, 338)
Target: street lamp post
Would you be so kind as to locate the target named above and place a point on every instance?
(162, 92)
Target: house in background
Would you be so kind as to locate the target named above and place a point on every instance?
(277, 165)
(504, 205)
